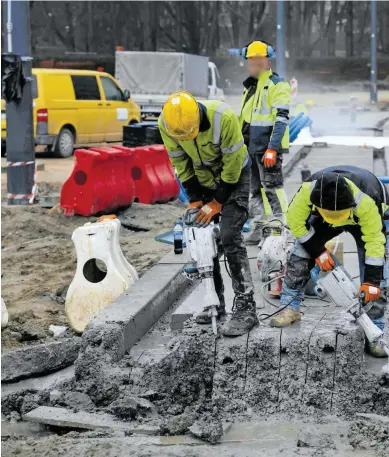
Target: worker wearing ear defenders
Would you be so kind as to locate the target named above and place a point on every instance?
(264, 118)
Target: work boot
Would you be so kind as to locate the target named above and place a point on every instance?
(205, 317)
(244, 316)
(285, 318)
(375, 349)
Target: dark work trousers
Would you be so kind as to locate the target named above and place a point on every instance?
(233, 217)
(268, 196)
(300, 264)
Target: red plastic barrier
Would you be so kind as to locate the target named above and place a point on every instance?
(100, 181)
(153, 174)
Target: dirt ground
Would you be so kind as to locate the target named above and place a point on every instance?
(39, 259)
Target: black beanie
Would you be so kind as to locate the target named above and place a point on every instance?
(331, 192)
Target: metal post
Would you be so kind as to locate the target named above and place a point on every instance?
(9, 26)
(20, 133)
(373, 53)
(280, 48)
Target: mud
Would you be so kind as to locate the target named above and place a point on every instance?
(272, 438)
(370, 435)
(39, 262)
(208, 428)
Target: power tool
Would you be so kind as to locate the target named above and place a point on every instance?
(201, 243)
(273, 254)
(339, 287)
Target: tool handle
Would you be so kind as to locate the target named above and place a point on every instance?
(315, 272)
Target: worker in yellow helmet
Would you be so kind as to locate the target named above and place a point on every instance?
(264, 118)
(335, 200)
(205, 145)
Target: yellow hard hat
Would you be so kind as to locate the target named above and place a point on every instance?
(334, 217)
(257, 49)
(181, 116)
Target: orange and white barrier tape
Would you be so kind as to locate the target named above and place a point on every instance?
(19, 164)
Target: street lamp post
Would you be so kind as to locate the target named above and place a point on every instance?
(281, 67)
(373, 53)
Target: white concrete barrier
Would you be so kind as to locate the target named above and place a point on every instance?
(102, 271)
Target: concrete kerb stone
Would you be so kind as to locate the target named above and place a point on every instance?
(114, 330)
(62, 417)
(37, 383)
(39, 359)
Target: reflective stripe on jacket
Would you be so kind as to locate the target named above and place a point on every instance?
(217, 153)
(267, 112)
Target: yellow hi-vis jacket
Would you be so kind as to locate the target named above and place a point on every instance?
(366, 214)
(218, 153)
(267, 113)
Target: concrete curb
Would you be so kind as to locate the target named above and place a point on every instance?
(39, 359)
(37, 383)
(139, 308)
(61, 417)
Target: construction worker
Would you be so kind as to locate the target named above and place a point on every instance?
(205, 145)
(264, 118)
(335, 200)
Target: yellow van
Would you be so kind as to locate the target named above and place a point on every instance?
(77, 108)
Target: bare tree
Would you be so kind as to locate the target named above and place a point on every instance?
(349, 29)
(205, 27)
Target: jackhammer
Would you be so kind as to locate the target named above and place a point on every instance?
(273, 253)
(201, 243)
(340, 288)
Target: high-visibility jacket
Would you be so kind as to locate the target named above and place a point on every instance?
(371, 202)
(218, 153)
(267, 112)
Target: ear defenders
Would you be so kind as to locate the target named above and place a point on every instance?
(270, 51)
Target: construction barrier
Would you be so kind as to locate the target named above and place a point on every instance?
(107, 178)
(153, 175)
(102, 273)
(101, 181)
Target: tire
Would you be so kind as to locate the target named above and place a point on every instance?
(64, 144)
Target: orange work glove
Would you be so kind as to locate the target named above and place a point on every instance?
(207, 212)
(191, 209)
(270, 158)
(325, 261)
(193, 205)
(369, 291)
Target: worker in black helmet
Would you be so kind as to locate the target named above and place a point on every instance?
(335, 200)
